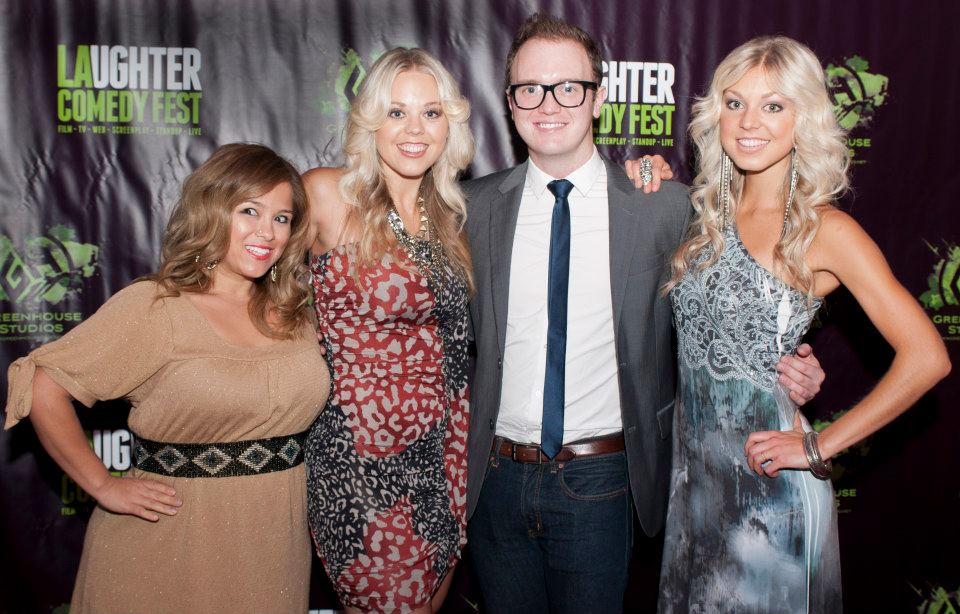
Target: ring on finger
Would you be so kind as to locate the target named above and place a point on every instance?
(646, 171)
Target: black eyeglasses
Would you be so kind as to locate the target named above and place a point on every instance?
(528, 96)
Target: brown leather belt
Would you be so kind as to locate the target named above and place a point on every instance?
(531, 453)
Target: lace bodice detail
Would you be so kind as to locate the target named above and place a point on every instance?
(735, 318)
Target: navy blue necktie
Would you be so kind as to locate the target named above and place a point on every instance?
(551, 434)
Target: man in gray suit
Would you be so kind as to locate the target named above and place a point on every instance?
(573, 395)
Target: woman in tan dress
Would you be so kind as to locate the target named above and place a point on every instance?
(219, 360)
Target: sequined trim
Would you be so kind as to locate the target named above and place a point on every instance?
(219, 460)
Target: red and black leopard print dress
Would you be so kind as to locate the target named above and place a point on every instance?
(386, 459)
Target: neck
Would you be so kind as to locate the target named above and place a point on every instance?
(561, 166)
(404, 192)
(233, 288)
(764, 189)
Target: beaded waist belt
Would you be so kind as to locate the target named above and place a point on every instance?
(219, 460)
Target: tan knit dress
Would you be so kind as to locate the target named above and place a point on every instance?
(238, 544)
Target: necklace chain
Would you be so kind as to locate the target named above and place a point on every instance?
(430, 264)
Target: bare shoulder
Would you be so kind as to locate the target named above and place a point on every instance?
(323, 182)
(838, 230)
(843, 248)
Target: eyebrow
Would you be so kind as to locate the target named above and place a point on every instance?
(739, 95)
(565, 80)
(254, 201)
(397, 103)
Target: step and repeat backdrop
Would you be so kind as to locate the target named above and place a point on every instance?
(106, 105)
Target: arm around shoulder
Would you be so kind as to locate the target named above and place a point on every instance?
(327, 210)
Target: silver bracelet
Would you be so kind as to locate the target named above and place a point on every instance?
(818, 468)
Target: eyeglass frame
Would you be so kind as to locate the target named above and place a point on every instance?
(548, 89)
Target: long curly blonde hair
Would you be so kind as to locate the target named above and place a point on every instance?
(198, 234)
(362, 186)
(822, 158)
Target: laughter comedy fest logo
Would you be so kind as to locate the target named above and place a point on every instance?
(639, 106)
(105, 89)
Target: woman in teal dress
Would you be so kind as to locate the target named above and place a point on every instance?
(751, 525)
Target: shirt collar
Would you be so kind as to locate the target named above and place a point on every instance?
(582, 178)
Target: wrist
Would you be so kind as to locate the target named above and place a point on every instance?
(818, 466)
(97, 484)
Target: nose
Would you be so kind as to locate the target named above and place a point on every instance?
(414, 124)
(749, 118)
(550, 104)
(265, 229)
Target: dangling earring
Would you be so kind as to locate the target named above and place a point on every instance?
(210, 265)
(273, 273)
(794, 177)
(723, 193)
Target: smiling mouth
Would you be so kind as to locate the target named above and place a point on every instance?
(412, 149)
(260, 253)
(752, 144)
(549, 125)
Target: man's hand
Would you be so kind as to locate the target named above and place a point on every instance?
(801, 374)
(659, 170)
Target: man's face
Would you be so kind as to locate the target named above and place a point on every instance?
(560, 139)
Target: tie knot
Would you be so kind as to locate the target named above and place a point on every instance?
(560, 188)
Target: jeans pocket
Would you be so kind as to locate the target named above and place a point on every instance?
(595, 479)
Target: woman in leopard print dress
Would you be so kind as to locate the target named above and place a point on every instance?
(386, 461)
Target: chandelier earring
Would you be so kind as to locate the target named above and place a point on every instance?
(273, 273)
(723, 191)
(794, 177)
(208, 265)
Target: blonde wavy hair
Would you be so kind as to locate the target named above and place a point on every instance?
(198, 234)
(822, 158)
(362, 186)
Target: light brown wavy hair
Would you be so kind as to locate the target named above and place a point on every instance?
(198, 234)
(362, 186)
(822, 158)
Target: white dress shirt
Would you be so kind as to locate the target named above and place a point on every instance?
(592, 395)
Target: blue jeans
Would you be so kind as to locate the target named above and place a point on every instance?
(553, 538)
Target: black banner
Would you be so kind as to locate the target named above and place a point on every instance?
(106, 105)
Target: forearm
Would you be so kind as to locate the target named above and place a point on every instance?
(59, 430)
(913, 372)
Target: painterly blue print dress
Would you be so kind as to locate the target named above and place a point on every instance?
(736, 541)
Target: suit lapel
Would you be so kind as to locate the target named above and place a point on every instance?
(503, 211)
(624, 219)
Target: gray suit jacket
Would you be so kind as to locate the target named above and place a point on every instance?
(644, 231)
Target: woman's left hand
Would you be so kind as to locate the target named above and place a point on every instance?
(770, 451)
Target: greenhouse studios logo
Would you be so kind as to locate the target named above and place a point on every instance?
(47, 270)
(942, 296)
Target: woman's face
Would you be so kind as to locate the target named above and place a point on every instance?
(756, 124)
(259, 231)
(415, 131)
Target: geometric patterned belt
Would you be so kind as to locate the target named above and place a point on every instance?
(217, 460)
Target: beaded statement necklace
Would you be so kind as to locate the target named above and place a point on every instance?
(424, 248)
